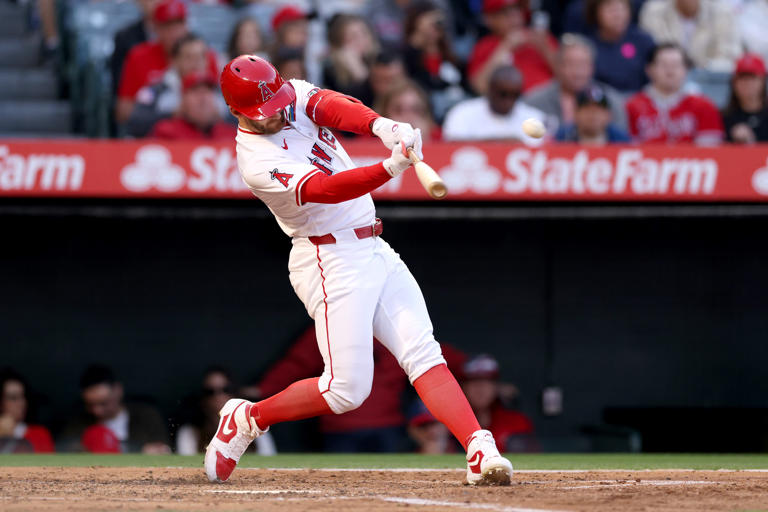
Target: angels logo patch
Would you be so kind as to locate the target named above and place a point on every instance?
(266, 93)
(282, 177)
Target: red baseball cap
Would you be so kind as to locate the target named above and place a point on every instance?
(481, 367)
(497, 5)
(99, 439)
(191, 80)
(751, 64)
(169, 10)
(287, 13)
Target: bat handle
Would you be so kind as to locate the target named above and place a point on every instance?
(413, 156)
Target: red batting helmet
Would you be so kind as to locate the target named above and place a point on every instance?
(253, 87)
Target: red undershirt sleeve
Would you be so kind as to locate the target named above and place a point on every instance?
(337, 188)
(341, 112)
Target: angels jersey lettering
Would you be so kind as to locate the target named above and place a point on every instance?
(276, 166)
(691, 118)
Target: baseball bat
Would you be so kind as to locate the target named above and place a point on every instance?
(430, 180)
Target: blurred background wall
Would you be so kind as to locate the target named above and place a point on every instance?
(619, 313)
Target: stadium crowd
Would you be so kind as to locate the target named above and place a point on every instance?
(109, 419)
(595, 71)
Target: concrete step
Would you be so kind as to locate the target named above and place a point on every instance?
(13, 20)
(31, 83)
(20, 52)
(24, 116)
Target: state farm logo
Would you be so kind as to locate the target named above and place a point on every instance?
(760, 180)
(40, 171)
(153, 169)
(537, 172)
(209, 169)
(469, 171)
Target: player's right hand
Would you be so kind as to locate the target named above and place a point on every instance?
(391, 132)
(400, 161)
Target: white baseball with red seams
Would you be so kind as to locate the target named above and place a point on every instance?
(354, 289)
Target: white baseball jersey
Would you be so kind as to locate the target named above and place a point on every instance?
(276, 166)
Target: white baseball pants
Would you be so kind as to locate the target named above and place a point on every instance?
(355, 290)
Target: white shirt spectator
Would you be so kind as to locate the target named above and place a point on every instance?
(753, 21)
(710, 38)
(474, 120)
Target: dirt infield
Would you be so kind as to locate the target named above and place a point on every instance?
(266, 490)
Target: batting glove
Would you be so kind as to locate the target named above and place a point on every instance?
(400, 161)
(391, 132)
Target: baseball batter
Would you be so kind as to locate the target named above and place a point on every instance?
(350, 280)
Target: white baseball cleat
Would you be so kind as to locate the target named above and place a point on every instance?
(485, 466)
(236, 431)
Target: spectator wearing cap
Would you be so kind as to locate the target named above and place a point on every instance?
(110, 425)
(126, 38)
(146, 63)
(574, 73)
(202, 415)
(746, 116)
(751, 26)
(429, 57)
(429, 435)
(592, 121)
(16, 435)
(705, 29)
(198, 116)
(161, 99)
(498, 115)
(621, 47)
(512, 430)
(352, 47)
(531, 51)
(664, 112)
(291, 27)
(408, 103)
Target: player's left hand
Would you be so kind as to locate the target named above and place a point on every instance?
(391, 132)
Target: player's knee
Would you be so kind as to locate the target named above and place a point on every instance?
(349, 394)
(417, 362)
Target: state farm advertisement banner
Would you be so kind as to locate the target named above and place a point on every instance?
(483, 171)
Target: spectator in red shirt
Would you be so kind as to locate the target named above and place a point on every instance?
(512, 430)
(532, 52)
(146, 62)
(408, 103)
(375, 426)
(198, 116)
(429, 58)
(15, 434)
(664, 112)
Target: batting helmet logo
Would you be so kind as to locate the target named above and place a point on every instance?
(265, 92)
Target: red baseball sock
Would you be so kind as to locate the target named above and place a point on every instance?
(300, 400)
(444, 398)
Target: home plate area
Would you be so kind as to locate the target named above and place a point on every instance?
(102, 488)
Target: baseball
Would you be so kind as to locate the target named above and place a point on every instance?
(534, 128)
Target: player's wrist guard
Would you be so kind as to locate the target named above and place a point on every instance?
(398, 162)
